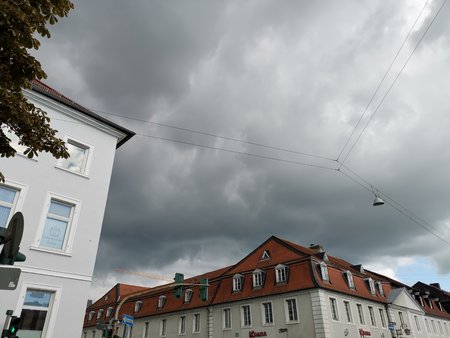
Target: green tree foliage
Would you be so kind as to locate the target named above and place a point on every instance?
(21, 21)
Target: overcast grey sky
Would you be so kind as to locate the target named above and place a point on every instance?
(295, 75)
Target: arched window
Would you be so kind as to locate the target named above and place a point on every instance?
(324, 272)
(238, 282)
(188, 295)
(281, 273)
(137, 306)
(161, 301)
(258, 278)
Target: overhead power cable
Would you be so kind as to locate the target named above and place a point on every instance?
(393, 82)
(399, 208)
(166, 125)
(381, 82)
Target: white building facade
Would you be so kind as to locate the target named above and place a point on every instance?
(63, 203)
(284, 290)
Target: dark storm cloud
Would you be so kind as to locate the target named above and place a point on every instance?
(295, 75)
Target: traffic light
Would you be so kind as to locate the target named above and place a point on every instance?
(11, 238)
(204, 288)
(11, 332)
(179, 279)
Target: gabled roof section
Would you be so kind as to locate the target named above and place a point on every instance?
(280, 252)
(401, 297)
(46, 90)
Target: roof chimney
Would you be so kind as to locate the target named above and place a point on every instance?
(89, 302)
(436, 285)
(317, 248)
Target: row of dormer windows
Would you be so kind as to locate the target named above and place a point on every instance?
(373, 286)
(259, 276)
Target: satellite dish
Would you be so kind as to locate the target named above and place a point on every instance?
(13, 236)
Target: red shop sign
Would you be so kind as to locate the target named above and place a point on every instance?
(252, 334)
(363, 333)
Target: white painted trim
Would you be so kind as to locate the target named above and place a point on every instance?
(62, 108)
(223, 319)
(22, 190)
(90, 154)
(242, 315)
(263, 314)
(53, 308)
(286, 311)
(55, 273)
(71, 228)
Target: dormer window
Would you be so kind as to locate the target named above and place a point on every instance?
(161, 301)
(324, 272)
(380, 288)
(109, 311)
(258, 278)
(91, 315)
(100, 313)
(137, 306)
(282, 273)
(349, 277)
(238, 281)
(430, 303)
(265, 255)
(440, 306)
(371, 285)
(188, 295)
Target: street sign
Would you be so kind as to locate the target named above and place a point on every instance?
(127, 320)
(9, 278)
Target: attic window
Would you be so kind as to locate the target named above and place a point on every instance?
(109, 312)
(91, 315)
(349, 278)
(137, 306)
(380, 288)
(324, 272)
(100, 313)
(430, 303)
(188, 295)
(161, 301)
(359, 268)
(371, 285)
(238, 281)
(258, 278)
(440, 306)
(265, 255)
(106, 297)
(282, 273)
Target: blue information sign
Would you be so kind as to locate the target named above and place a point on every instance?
(128, 320)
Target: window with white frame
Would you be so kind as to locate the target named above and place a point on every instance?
(440, 327)
(163, 330)
(291, 310)
(371, 285)
(430, 303)
(93, 333)
(348, 311)
(324, 272)
(440, 306)
(380, 288)
(57, 225)
(372, 316)
(258, 278)
(188, 295)
(91, 315)
(237, 282)
(416, 319)
(400, 316)
(421, 301)
(146, 329)
(138, 306)
(267, 313)
(182, 325)
(226, 319)
(362, 320)
(36, 312)
(100, 313)
(433, 325)
(382, 317)
(446, 328)
(334, 309)
(161, 301)
(196, 323)
(15, 142)
(427, 325)
(85, 334)
(349, 277)
(109, 311)
(246, 316)
(8, 200)
(79, 157)
(281, 273)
